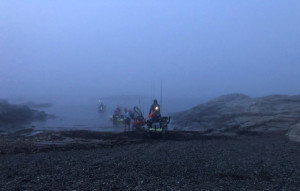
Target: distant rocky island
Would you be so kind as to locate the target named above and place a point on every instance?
(12, 115)
(238, 113)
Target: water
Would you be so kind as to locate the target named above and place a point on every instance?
(75, 117)
(83, 114)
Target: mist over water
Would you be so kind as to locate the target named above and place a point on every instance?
(84, 114)
(75, 116)
(72, 53)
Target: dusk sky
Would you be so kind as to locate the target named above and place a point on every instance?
(198, 49)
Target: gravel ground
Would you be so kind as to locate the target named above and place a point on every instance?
(266, 161)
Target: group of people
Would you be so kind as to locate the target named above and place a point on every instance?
(128, 115)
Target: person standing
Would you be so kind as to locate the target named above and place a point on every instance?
(127, 119)
(155, 110)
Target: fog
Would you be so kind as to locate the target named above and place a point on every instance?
(73, 53)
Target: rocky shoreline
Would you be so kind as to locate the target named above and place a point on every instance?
(23, 142)
(235, 112)
(128, 161)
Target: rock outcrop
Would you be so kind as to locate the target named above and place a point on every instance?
(294, 133)
(14, 115)
(237, 112)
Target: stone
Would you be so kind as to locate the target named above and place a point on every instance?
(238, 112)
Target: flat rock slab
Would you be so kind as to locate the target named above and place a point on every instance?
(294, 133)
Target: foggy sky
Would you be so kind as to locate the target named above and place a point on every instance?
(198, 49)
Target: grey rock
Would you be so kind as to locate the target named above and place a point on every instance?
(238, 112)
(14, 115)
(294, 133)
